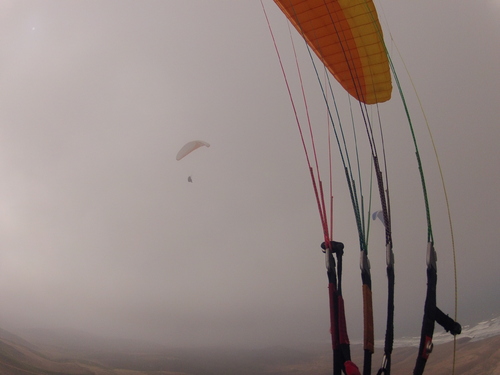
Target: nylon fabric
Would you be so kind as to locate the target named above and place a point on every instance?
(351, 368)
(347, 37)
(369, 339)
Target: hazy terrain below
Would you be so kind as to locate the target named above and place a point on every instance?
(58, 353)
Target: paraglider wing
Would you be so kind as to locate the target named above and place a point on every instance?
(380, 215)
(190, 147)
(347, 37)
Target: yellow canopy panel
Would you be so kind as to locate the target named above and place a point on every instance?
(347, 37)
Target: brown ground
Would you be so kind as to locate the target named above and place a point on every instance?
(81, 356)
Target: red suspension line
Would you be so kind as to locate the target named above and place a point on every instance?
(317, 191)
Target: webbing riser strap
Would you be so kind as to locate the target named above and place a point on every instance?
(429, 319)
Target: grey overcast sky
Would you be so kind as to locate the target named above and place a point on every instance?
(100, 230)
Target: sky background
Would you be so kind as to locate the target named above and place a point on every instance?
(100, 231)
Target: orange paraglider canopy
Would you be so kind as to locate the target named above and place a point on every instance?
(347, 37)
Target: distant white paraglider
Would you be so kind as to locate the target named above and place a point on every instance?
(190, 147)
(380, 215)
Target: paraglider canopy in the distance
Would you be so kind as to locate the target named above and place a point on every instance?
(190, 147)
(380, 215)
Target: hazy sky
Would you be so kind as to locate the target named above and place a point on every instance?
(101, 231)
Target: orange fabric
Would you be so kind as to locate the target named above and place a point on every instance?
(369, 337)
(347, 37)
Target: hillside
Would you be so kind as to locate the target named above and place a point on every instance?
(20, 357)
(80, 354)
